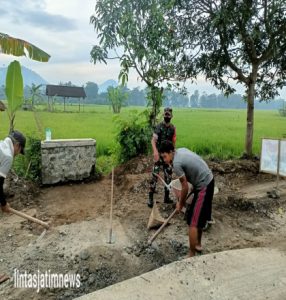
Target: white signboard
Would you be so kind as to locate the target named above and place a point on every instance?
(282, 169)
(269, 156)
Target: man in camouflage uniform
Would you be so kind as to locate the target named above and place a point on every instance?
(164, 131)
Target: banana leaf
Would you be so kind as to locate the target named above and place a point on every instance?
(18, 47)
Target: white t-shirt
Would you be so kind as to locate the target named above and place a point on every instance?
(6, 156)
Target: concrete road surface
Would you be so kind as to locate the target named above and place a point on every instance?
(256, 274)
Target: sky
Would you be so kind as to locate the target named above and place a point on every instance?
(62, 29)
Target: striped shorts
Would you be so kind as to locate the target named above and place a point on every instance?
(200, 210)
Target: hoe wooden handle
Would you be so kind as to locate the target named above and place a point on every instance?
(35, 220)
(150, 241)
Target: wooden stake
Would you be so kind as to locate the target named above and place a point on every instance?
(111, 208)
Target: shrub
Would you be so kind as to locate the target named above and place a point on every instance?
(133, 136)
(29, 166)
(33, 156)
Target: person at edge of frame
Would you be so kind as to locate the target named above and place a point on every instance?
(10, 147)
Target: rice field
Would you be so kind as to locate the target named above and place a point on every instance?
(217, 133)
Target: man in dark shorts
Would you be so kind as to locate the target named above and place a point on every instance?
(164, 131)
(190, 167)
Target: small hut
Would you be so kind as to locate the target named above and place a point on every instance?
(65, 92)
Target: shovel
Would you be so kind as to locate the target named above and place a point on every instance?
(175, 187)
(150, 241)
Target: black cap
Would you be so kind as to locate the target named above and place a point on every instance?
(168, 111)
(17, 136)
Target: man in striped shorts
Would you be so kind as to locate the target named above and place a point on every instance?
(190, 167)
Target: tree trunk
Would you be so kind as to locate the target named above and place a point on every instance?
(11, 125)
(250, 120)
(156, 100)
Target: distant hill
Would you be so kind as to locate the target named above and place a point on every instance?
(102, 88)
(29, 77)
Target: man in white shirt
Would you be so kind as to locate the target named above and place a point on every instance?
(12, 145)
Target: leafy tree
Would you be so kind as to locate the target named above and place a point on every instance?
(175, 98)
(117, 97)
(91, 90)
(194, 99)
(242, 41)
(209, 101)
(141, 38)
(137, 97)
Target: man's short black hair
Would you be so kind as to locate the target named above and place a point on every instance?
(166, 147)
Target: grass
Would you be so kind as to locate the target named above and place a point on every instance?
(221, 133)
(217, 133)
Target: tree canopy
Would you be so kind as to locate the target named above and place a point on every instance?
(229, 42)
(139, 35)
(238, 41)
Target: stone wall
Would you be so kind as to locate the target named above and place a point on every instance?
(66, 160)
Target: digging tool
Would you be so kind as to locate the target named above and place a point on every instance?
(30, 218)
(150, 241)
(155, 219)
(176, 187)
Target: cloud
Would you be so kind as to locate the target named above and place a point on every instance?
(3, 12)
(49, 21)
(34, 12)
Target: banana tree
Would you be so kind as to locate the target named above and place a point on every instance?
(14, 90)
(35, 95)
(14, 80)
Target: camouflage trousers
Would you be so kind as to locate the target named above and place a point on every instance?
(167, 170)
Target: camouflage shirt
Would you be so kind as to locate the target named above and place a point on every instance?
(165, 132)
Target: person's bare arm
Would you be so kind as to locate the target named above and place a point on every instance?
(184, 193)
(174, 139)
(154, 147)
